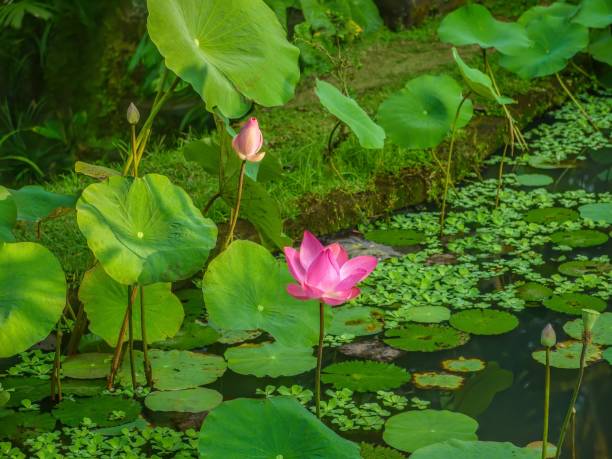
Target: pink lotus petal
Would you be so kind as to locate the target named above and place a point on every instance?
(310, 249)
(257, 158)
(349, 282)
(362, 265)
(293, 263)
(249, 140)
(322, 273)
(298, 292)
(339, 253)
(338, 298)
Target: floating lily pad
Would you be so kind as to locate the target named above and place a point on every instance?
(98, 409)
(21, 425)
(238, 336)
(270, 359)
(574, 303)
(8, 215)
(458, 449)
(567, 355)
(484, 321)
(87, 366)
(426, 338)
(598, 212)
(357, 321)
(194, 400)
(412, 430)
(83, 387)
(365, 376)
(601, 333)
(436, 380)
(551, 215)
(583, 267)
(395, 237)
(535, 180)
(192, 335)
(277, 427)
(427, 314)
(35, 204)
(533, 291)
(463, 365)
(579, 238)
(33, 389)
(144, 230)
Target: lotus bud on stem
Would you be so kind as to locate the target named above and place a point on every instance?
(548, 340)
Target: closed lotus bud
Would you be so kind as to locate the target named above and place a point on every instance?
(249, 141)
(549, 337)
(133, 115)
(589, 317)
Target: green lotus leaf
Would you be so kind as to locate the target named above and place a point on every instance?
(370, 451)
(5, 396)
(535, 180)
(192, 335)
(347, 110)
(194, 400)
(254, 296)
(561, 10)
(607, 354)
(551, 215)
(99, 409)
(601, 333)
(25, 387)
(600, 46)
(228, 50)
(270, 359)
(463, 365)
(355, 320)
(422, 113)
(238, 336)
(425, 338)
(83, 387)
(579, 238)
(270, 428)
(144, 230)
(26, 424)
(458, 449)
(32, 298)
(174, 370)
(437, 380)
(598, 212)
(412, 430)
(567, 355)
(106, 300)
(8, 215)
(87, 366)
(555, 41)
(395, 237)
(479, 82)
(532, 291)
(594, 13)
(427, 314)
(484, 321)
(35, 204)
(582, 267)
(365, 376)
(574, 303)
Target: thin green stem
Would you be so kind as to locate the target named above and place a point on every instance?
(500, 173)
(576, 102)
(56, 377)
(145, 344)
(319, 359)
(330, 139)
(131, 336)
(546, 404)
(236, 212)
(116, 362)
(574, 433)
(210, 202)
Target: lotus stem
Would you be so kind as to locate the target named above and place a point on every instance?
(546, 404)
(576, 102)
(574, 433)
(119, 347)
(500, 174)
(145, 344)
(234, 217)
(56, 379)
(330, 139)
(134, 150)
(210, 202)
(319, 359)
(131, 335)
(77, 331)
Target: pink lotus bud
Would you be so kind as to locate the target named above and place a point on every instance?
(249, 141)
(549, 337)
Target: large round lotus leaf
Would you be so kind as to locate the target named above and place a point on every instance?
(32, 295)
(425, 338)
(174, 370)
(270, 359)
(99, 409)
(463, 365)
(277, 427)
(370, 134)
(26, 424)
(599, 212)
(21, 388)
(422, 114)
(412, 430)
(535, 180)
(473, 24)
(365, 376)
(574, 303)
(228, 50)
(583, 267)
(87, 366)
(8, 215)
(356, 320)
(436, 380)
(600, 48)
(594, 13)
(607, 354)
(484, 321)
(395, 237)
(34, 203)
(601, 333)
(144, 230)
(458, 449)
(551, 215)
(427, 314)
(192, 335)
(254, 296)
(579, 238)
(567, 355)
(479, 82)
(194, 400)
(533, 291)
(555, 41)
(106, 300)
(560, 9)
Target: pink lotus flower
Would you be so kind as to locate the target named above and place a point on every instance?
(326, 273)
(249, 141)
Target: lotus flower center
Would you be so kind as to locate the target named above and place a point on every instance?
(260, 308)
(197, 42)
(140, 234)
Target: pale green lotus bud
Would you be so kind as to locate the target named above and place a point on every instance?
(589, 317)
(549, 337)
(133, 115)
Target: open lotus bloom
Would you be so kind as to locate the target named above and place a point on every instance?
(326, 273)
(249, 141)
